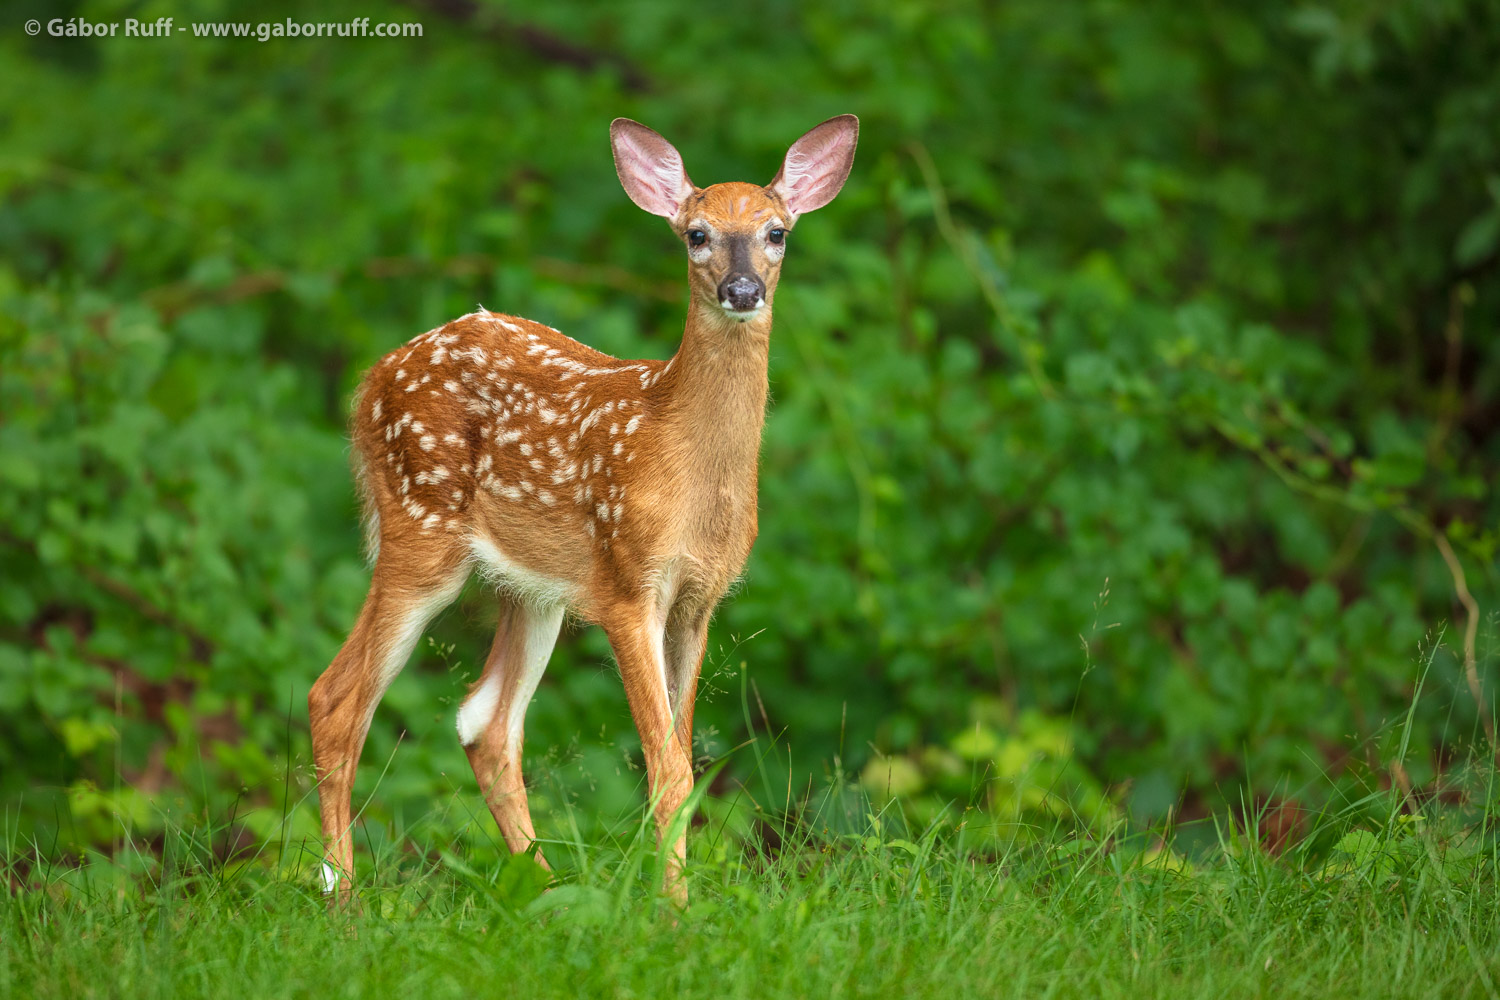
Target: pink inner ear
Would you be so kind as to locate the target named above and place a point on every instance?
(810, 188)
(816, 167)
(650, 171)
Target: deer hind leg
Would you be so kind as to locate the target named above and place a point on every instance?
(637, 639)
(684, 643)
(491, 719)
(342, 701)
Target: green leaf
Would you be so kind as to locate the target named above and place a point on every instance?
(1478, 239)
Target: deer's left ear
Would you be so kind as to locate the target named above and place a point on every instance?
(817, 165)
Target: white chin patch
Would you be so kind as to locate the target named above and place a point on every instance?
(742, 315)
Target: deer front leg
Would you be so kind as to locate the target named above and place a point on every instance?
(637, 639)
(492, 718)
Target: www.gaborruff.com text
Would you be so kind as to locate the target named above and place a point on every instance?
(264, 31)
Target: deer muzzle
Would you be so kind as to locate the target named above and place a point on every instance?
(742, 293)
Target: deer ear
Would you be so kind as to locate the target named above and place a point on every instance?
(650, 169)
(817, 165)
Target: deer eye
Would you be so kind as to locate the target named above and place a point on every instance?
(697, 237)
(777, 236)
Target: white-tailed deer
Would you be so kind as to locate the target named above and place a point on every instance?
(622, 492)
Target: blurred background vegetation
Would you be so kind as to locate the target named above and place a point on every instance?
(1133, 442)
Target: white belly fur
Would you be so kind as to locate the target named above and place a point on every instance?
(500, 571)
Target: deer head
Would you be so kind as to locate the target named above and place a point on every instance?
(735, 234)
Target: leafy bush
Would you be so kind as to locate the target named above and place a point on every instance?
(1167, 329)
(1028, 781)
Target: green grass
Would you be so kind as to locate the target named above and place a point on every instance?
(1398, 914)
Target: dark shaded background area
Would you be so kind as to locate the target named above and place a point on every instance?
(1134, 421)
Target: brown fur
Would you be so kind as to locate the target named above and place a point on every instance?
(624, 490)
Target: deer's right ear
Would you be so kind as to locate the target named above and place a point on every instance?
(650, 169)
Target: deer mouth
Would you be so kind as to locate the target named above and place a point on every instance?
(742, 295)
(743, 315)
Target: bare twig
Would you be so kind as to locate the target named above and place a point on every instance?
(1030, 347)
(202, 645)
(173, 300)
(541, 43)
(1471, 629)
(1419, 524)
(1450, 401)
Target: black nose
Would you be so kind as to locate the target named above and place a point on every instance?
(742, 292)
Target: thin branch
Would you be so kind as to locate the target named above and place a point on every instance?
(202, 645)
(961, 241)
(541, 43)
(173, 300)
(1420, 526)
(1471, 630)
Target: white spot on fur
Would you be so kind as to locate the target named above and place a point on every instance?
(478, 710)
(540, 627)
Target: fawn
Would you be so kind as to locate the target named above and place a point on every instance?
(622, 492)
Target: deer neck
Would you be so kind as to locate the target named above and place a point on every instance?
(716, 399)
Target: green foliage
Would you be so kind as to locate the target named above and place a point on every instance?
(1020, 777)
(1165, 328)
